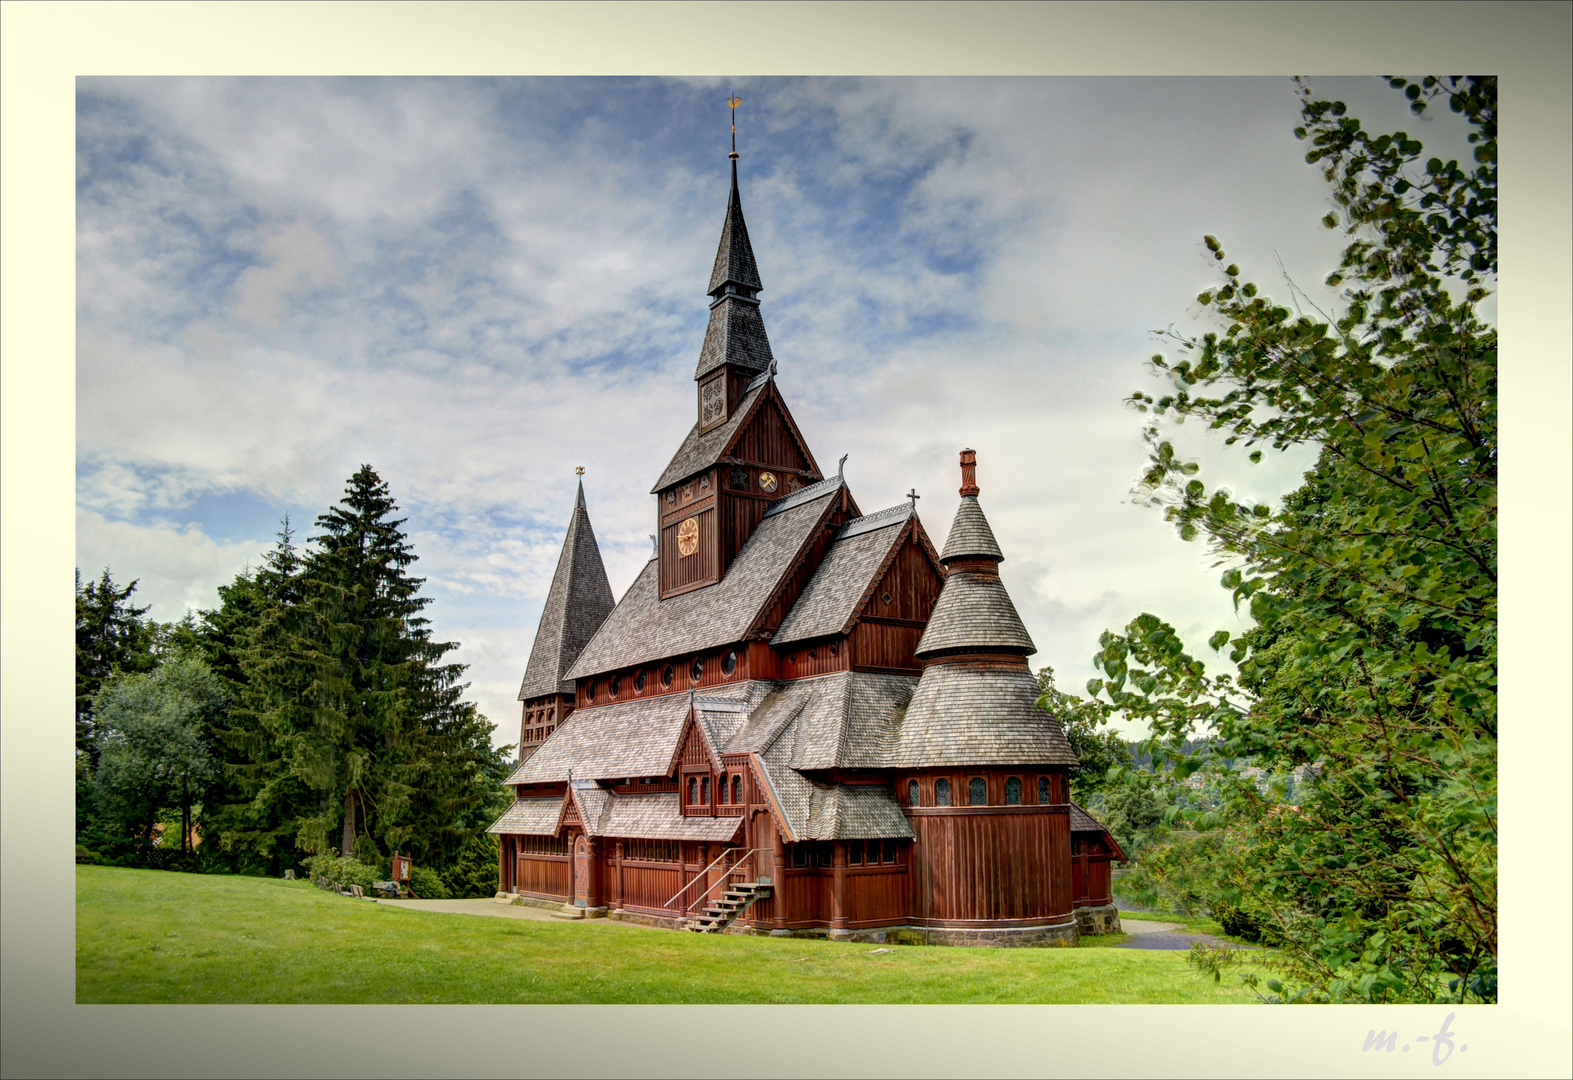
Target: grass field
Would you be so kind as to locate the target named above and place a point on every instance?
(152, 937)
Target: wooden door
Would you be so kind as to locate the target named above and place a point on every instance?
(581, 872)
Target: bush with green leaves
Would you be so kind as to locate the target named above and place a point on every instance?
(337, 870)
(427, 884)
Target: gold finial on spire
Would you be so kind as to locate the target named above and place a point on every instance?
(732, 103)
(578, 470)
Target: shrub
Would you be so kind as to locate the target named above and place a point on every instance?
(85, 856)
(341, 871)
(427, 884)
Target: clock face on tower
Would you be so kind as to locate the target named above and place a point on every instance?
(688, 537)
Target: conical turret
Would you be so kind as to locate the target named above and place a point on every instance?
(578, 602)
(977, 701)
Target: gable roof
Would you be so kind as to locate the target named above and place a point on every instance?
(698, 452)
(643, 627)
(579, 600)
(831, 600)
(530, 817)
(1083, 822)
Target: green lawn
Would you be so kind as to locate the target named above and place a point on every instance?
(148, 936)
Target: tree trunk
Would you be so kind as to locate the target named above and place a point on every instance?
(347, 847)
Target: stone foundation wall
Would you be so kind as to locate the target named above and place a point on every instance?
(1104, 919)
(529, 901)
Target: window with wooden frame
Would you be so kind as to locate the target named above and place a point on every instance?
(914, 793)
(1013, 791)
(737, 789)
(704, 791)
(942, 792)
(977, 792)
(542, 845)
(720, 791)
(693, 790)
(652, 850)
(855, 852)
(1043, 790)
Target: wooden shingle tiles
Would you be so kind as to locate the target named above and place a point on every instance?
(631, 738)
(699, 451)
(834, 594)
(974, 612)
(644, 628)
(530, 817)
(579, 600)
(978, 714)
(970, 536)
(735, 335)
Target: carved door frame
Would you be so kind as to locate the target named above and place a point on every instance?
(581, 871)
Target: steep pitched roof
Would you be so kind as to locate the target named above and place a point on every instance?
(974, 612)
(978, 714)
(643, 627)
(698, 452)
(734, 335)
(970, 536)
(579, 600)
(836, 593)
(734, 257)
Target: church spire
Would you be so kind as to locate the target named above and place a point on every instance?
(735, 337)
(578, 602)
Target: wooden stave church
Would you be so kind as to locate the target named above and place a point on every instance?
(799, 719)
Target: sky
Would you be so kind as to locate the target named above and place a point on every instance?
(476, 285)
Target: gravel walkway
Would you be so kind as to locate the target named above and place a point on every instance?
(477, 907)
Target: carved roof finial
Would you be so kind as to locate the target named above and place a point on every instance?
(969, 473)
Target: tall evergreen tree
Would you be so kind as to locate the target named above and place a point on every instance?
(111, 636)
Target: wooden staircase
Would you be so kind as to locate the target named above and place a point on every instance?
(718, 914)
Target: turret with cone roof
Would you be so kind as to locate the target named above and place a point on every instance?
(977, 701)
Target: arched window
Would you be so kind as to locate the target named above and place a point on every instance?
(737, 789)
(704, 791)
(942, 792)
(720, 791)
(912, 793)
(693, 790)
(1013, 791)
(977, 792)
(1043, 789)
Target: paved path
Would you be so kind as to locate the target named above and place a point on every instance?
(1163, 935)
(477, 907)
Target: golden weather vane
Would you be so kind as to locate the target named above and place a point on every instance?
(578, 470)
(732, 103)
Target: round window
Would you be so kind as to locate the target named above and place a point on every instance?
(835, 650)
(667, 675)
(617, 685)
(589, 690)
(729, 664)
(639, 682)
(697, 670)
(813, 654)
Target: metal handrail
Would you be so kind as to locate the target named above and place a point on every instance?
(724, 877)
(701, 875)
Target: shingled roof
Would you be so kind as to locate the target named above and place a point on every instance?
(970, 536)
(834, 595)
(974, 612)
(608, 742)
(530, 817)
(1083, 822)
(643, 627)
(734, 335)
(734, 258)
(579, 600)
(978, 714)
